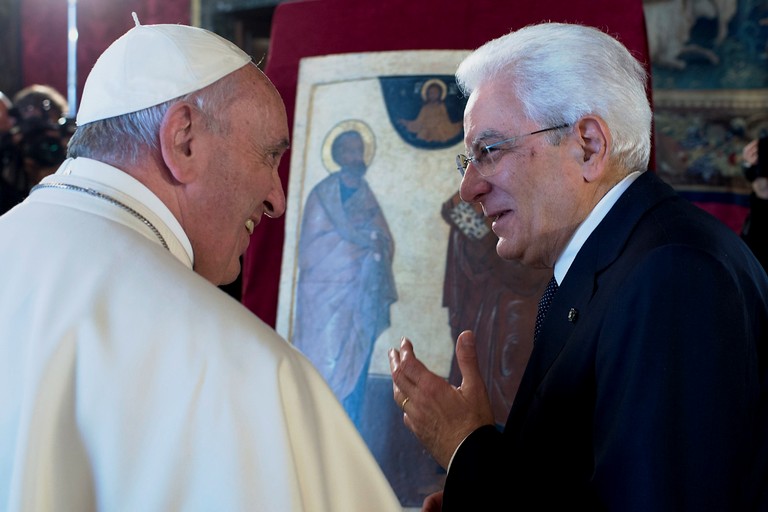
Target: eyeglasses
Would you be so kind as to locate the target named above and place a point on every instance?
(485, 162)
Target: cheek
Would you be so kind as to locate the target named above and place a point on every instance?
(265, 181)
(546, 204)
(534, 205)
(242, 190)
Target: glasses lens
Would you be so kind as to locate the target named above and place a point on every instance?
(462, 162)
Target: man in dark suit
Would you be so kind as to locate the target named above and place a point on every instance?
(646, 388)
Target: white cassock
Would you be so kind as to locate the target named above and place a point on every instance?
(129, 383)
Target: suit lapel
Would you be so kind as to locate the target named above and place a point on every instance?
(601, 249)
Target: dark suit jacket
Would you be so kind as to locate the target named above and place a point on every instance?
(755, 229)
(646, 387)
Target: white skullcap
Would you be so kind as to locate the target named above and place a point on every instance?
(151, 64)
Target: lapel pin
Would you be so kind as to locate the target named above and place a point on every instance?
(573, 314)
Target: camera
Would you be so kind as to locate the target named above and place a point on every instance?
(42, 141)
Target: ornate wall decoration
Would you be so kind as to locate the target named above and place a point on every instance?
(710, 92)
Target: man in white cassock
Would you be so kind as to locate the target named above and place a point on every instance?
(128, 380)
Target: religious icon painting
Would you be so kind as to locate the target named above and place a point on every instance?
(378, 246)
(427, 111)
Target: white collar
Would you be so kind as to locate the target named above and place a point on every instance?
(89, 173)
(586, 228)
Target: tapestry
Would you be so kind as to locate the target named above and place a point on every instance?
(710, 93)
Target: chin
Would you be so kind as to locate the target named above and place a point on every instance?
(508, 250)
(230, 275)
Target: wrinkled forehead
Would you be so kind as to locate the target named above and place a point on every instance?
(491, 108)
(256, 94)
(259, 111)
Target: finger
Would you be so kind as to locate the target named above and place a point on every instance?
(466, 355)
(410, 365)
(406, 348)
(433, 502)
(394, 359)
(401, 383)
(394, 364)
(407, 373)
(408, 369)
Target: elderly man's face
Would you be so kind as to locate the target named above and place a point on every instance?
(530, 195)
(242, 183)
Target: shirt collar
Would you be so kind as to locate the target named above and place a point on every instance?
(128, 189)
(586, 228)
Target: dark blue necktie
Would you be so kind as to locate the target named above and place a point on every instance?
(544, 303)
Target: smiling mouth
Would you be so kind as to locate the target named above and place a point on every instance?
(249, 225)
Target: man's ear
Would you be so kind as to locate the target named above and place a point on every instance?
(595, 144)
(180, 140)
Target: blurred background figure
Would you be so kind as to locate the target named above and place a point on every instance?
(755, 229)
(8, 197)
(34, 131)
(40, 102)
(6, 121)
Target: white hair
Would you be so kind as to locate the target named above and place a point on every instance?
(561, 72)
(122, 139)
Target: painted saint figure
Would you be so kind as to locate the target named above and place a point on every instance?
(493, 297)
(433, 124)
(345, 284)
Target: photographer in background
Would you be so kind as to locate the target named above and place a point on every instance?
(755, 229)
(6, 121)
(8, 194)
(35, 143)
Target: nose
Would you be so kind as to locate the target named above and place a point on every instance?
(274, 204)
(473, 185)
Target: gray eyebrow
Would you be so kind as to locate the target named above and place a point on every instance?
(280, 146)
(485, 135)
(283, 144)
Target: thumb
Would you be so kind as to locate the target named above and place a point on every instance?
(472, 383)
(466, 355)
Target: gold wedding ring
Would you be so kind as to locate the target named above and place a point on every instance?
(402, 404)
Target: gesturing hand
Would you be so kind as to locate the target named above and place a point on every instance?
(749, 153)
(433, 502)
(439, 414)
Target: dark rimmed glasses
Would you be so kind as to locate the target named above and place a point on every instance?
(485, 164)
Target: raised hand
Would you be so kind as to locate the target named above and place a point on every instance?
(439, 414)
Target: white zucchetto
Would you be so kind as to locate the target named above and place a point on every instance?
(151, 64)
